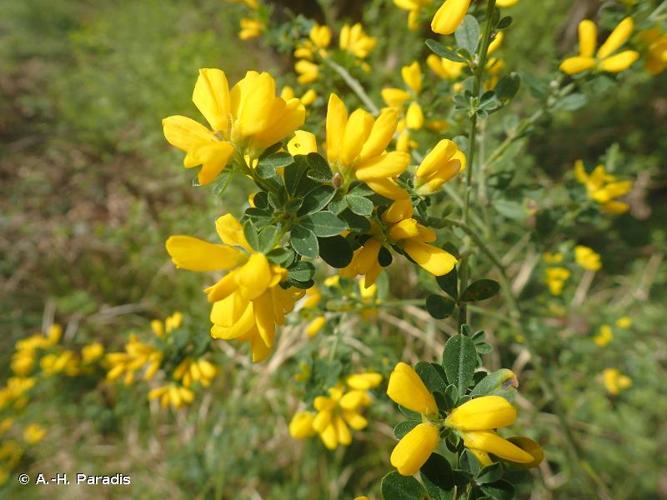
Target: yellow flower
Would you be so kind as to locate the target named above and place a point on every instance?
(481, 414)
(506, 3)
(64, 362)
(137, 356)
(604, 336)
(414, 449)
(191, 371)
(354, 40)
(655, 42)
(624, 322)
(313, 297)
(5, 425)
(364, 381)
(336, 414)
(306, 99)
(91, 353)
(413, 7)
(556, 278)
(414, 239)
(251, 28)
(172, 395)
(606, 58)
(301, 425)
(248, 301)
(587, 258)
(444, 162)
(603, 188)
(614, 381)
(307, 71)
(483, 443)
(320, 36)
(444, 68)
(34, 433)
(315, 326)
(449, 16)
(356, 145)
(408, 390)
(248, 118)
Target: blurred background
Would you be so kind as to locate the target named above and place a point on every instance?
(89, 191)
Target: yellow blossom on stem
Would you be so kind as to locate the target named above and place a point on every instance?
(606, 59)
(91, 353)
(605, 336)
(655, 43)
(314, 327)
(556, 278)
(614, 381)
(247, 118)
(603, 188)
(624, 322)
(354, 40)
(440, 165)
(172, 395)
(587, 258)
(444, 68)
(449, 16)
(34, 433)
(414, 449)
(251, 28)
(408, 390)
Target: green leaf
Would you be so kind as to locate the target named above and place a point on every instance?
(501, 490)
(490, 474)
(404, 427)
(304, 242)
(293, 175)
(449, 283)
(480, 290)
(495, 382)
(433, 379)
(318, 168)
(281, 256)
(467, 34)
(301, 271)
(508, 86)
(355, 222)
(459, 361)
(267, 238)
(324, 224)
(443, 51)
(504, 23)
(267, 166)
(571, 102)
(437, 473)
(251, 236)
(335, 251)
(439, 307)
(316, 200)
(359, 205)
(397, 487)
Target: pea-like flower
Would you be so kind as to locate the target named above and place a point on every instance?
(449, 16)
(556, 278)
(587, 258)
(337, 412)
(440, 165)
(603, 188)
(354, 40)
(248, 302)
(615, 381)
(606, 59)
(474, 421)
(247, 118)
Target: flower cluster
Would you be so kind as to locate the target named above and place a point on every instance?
(603, 188)
(336, 413)
(474, 422)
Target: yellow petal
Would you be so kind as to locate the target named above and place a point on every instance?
(617, 38)
(186, 134)
(211, 96)
(301, 425)
(414, 449)
(342, 431)
(588, 38)
(335, 127)
(408, 390)
(230, 231)
(329, 437)
(449, 16)
(432, 259)
(381, 134)
(491, 442)
(222, 289)
(264, 320)
(483, 413)
(380, 167)
(394, 97)
(619, 62)
(403, 230)
(412, 76)
(414, 119)
(302, 143)
(388, 188)
(397, 211)
(286, 119)
(355, 419)
(364, 381)
(254, 277)
(357, 130)
(577, 64)
(194, 254)
(530, 447)
(213, 158)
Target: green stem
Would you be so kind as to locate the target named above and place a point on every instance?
(480, 60)
(354, 84)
